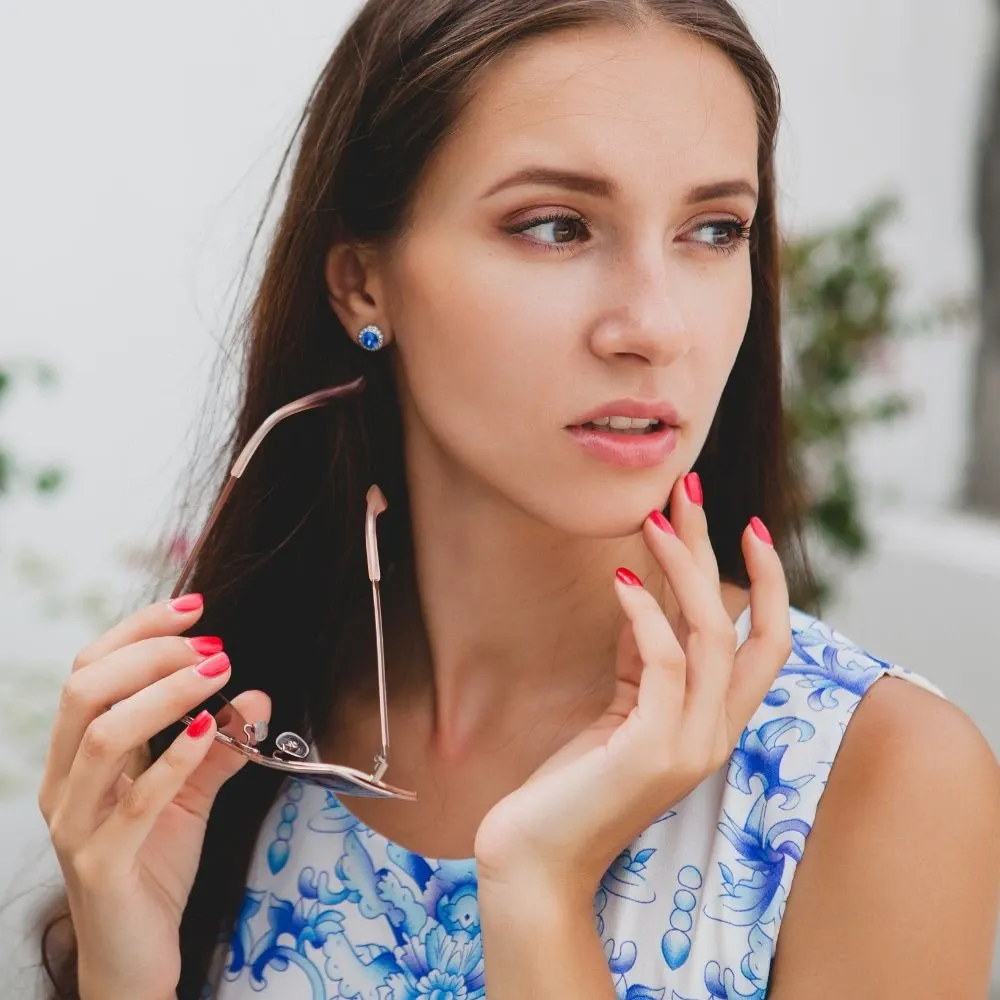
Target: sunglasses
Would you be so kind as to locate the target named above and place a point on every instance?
(290, 750)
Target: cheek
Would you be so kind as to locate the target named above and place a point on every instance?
(736, 314)
(718, 321)
(476, 346)
(725, 311)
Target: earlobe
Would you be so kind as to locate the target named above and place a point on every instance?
(352, 287)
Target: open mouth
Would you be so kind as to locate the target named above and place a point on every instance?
(624, 425)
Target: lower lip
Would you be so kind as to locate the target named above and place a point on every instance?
(634, 451)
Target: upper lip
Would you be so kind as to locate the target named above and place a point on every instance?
(653, 410)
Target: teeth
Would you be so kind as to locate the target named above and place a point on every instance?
(624, 423)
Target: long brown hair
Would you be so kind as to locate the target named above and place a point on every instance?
(283, 571)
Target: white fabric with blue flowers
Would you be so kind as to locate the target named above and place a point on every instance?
(689, 911)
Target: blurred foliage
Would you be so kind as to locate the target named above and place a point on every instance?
(27, 691)
(840, 319)
(13, 474)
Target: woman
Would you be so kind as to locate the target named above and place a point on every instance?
(543, 232)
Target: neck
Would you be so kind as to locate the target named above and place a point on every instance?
(517, 622)
(519, 619)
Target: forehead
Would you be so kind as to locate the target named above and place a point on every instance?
(646, 106)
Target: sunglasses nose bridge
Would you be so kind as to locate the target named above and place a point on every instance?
(256, 732)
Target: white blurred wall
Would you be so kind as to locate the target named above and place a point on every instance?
(138, 141)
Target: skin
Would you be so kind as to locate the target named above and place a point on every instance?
(560, 710)
(492, 333)
(128, 845)
(501, 342)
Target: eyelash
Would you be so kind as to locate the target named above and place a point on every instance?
(740, 230)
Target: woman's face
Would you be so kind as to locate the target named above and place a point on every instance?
(578, 251)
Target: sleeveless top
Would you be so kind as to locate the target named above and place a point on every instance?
(689, 911)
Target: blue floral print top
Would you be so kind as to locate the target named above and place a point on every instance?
(690, 911)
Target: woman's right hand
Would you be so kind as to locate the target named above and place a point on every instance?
(129, 848)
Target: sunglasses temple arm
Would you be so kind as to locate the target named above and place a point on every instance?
(320, 398)
(257, 731)
(375, 504)
(381, 758)
(192, 559)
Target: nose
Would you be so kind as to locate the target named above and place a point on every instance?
(643, 316)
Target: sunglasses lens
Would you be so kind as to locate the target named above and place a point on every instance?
(232, 724)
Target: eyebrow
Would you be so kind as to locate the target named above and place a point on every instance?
(602, 187)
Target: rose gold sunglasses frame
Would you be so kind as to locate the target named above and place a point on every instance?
(292, 748)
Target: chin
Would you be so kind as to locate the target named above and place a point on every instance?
(600, 511)
(611, 524)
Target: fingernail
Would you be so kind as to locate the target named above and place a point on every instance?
(627, 576)
(692, 485)
(213, 666)
(189, 602)
(656, 516)
(198, 726)
(760, 530)
(206, 645)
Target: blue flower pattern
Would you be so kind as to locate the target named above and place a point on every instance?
(690, 911)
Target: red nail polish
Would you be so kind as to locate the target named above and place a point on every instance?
(189, 602)
(206, 645)
(692, 486)
(199, 724)
(760, 530)
(213, 666)
(656, 516)
(627, 576)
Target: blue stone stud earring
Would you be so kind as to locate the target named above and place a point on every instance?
(371, 338)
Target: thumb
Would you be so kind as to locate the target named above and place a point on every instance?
(222, 762)
(628, 661)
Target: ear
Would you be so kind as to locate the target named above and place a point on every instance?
(355, 289)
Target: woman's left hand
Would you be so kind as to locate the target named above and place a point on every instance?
(679, 707)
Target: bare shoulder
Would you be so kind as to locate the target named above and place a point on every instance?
(896, 714)
(898, 888)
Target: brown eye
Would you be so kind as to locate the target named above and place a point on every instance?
(554, 230)
(563, 230)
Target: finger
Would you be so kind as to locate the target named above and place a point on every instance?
(75, 711)
(709, 636)
(687, 515)
(697, 597)
(628, 660)
(93, 689)
(110, 738)
(189, 773)
(222, 761)
(662, 680)
(162, 618)
(128, 825)
(760, 659)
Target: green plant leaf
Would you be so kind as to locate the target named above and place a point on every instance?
(49, 480)
(839, 312)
